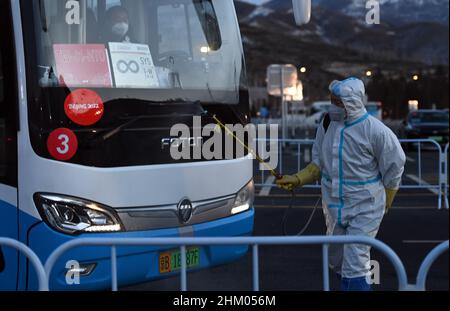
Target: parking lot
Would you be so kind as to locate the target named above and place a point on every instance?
(412, 229)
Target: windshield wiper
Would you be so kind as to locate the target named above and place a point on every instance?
(119, 129)
(108, 134)
(111, 133)
(104, 137)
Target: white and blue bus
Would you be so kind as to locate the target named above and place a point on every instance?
(89, 90)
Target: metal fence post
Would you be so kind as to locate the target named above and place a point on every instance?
(419, 162)
(183, 268)
(325, 267)
(255, 257)
(444, 176)
(281, 157)
(427, 263)
(114, 268)
(441, 177)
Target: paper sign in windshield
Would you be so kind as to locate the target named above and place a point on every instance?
(133, 66)
(82, 65)
(84, 107)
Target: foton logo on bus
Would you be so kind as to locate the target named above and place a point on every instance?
(79, 65)
(84, 107)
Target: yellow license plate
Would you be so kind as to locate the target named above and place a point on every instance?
(171, 261)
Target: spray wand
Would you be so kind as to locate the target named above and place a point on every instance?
(250, 150)
(243, 144)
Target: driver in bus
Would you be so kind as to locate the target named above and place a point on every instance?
(118, 30)
(117, 25)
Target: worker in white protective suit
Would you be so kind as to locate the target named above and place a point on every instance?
(360, 162)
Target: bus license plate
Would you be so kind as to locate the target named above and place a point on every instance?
(171, 261)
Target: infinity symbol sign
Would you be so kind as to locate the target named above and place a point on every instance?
(125, 67)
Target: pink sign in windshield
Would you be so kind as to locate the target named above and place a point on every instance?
(81, 65)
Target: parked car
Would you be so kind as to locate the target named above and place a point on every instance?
(428, 124)
(314, 120)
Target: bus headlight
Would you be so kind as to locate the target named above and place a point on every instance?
(244, 199)
(74, 216)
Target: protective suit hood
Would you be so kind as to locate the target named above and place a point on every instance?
(352, 93)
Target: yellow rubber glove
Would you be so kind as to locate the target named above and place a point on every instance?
(309, 175)
(390, 196)
(288, 182)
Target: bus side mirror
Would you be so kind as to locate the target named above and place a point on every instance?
(302, 11)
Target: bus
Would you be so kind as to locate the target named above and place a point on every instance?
(89, 90)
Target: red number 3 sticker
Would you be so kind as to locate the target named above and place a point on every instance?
(62, 144)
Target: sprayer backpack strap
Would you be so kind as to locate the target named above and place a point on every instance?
(326, 122)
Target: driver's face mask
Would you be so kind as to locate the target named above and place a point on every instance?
(337, 114)
(120, 29)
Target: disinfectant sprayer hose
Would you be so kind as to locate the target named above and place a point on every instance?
(286, 215)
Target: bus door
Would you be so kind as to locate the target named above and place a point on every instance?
(8, 150)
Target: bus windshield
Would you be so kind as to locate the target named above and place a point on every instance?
(132, 68)
(190, 45)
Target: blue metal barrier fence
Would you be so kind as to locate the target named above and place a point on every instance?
(43, 273)
(32, 257)
(440, 187)
(255, 242)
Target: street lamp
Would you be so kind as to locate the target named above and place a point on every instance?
(415, 77)
(303, 70)
(368, 73)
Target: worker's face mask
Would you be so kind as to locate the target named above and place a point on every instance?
(120, 29)
(337, 114)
